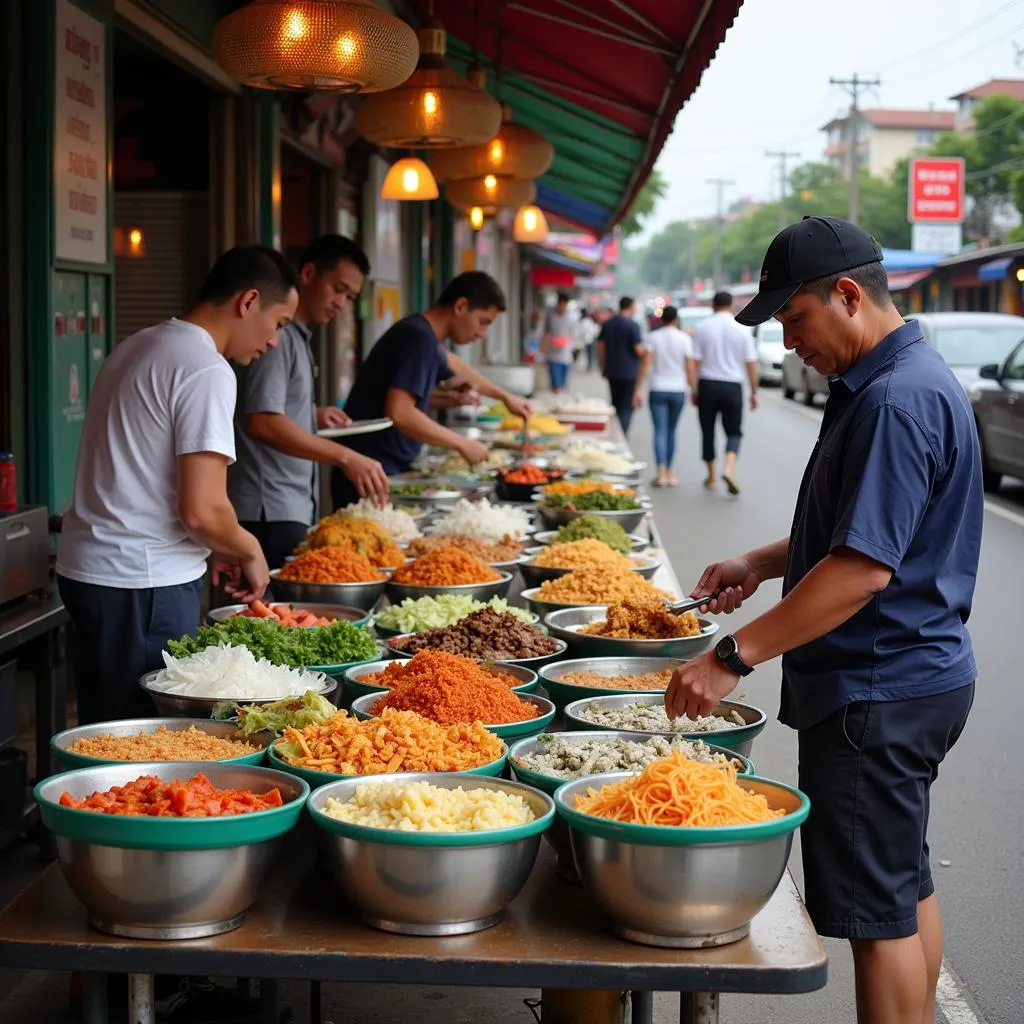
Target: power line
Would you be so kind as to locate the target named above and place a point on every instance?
(782, 156)
(854, 86)
(917, 72)
(720, 184)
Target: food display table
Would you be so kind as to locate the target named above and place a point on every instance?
(302, 929)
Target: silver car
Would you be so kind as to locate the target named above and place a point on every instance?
(997, 397)
(796, 376)
(770, 351)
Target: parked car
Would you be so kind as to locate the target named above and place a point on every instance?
(690, 316)
(770, 351)
(805, 379)
(997, 397)
(968, 341)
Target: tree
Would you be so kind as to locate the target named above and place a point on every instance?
(644, 204)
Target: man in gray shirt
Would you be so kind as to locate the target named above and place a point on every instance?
(274, 483)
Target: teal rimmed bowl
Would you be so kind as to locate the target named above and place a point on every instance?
(355, 684)
(387, 632)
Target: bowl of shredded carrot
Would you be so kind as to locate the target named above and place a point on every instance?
(447, 570)
(375, 678)
(682, 854)
(450, 689)
(332, 575)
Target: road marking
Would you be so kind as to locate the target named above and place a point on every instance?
(814, 413)
(951, 997)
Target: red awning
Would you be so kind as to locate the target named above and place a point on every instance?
(899, 280)
(634, 62)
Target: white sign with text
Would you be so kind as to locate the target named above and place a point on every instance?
(80, 137)
(944, 238)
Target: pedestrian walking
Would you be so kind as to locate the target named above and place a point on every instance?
(620, 352)
(673, 373)
(557, 342)
(587, 330)
(878, 579)
(725, 357)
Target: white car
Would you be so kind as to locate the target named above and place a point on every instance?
(690, 316)
(770, 351)
(805, 379)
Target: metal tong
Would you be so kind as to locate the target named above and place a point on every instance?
(691, 603)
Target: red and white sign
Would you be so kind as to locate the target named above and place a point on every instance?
(936, 191)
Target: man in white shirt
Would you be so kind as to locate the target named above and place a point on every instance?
(151, 502)
(724, 355)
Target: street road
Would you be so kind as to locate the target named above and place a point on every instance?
(977, 821)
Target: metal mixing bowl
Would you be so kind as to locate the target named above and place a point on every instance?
(398, 592)
(681, 887)
(175, 705)
(565, 623)
(628, 519)
(168, 878)
(640, 543)
(565, 693)
(739, 738)
(357, 685)
(431, 883)
(534, 575)
(64, 760)
(528, 663)
(356, 595)
(357, 616)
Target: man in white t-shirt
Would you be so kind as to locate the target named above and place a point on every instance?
(151, 502)
(724, 356)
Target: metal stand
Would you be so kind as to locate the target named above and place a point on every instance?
(316, 1004)
(641, 1007)
(141, 999)
(94, 998)
(269, 997)
(698, 1007)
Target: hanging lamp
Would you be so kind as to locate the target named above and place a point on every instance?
(409, 179)
(515, 152)
(477, 218)
(490, 193)
(530, 225)
(434, 108)
(342, 46)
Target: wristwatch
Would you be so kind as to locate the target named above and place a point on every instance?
(728, 651)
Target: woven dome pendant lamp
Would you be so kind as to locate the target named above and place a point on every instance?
(434, 108)
(343, 46)
(489, 193)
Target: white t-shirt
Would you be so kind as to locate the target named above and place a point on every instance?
(670, 347)
(163, 392)
(724, 348)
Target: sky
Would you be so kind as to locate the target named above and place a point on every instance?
(768, 86)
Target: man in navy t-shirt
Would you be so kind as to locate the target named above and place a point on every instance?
(402, 371)
(878, 579)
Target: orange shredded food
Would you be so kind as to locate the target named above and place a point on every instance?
(448, 689)
(330, 565)
(363, 536)
(446, 567)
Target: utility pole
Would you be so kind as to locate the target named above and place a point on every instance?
(782, 157)
(720, 185)
(854, 86)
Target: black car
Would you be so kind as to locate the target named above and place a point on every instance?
(998, 401)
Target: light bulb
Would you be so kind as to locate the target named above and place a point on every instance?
(430, 102)
(135, 238)
(490, 183)
(295, 27)
(530, 220)
(347, 47)
(410, 180)
(497, 151)
(476, 218)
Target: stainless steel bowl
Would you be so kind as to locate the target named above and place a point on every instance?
(356, 595)
(180, 893)
(347, 612)
(628, 519)
(450, 494)
(739, 738)
(684, 891)
(398, 592)
(534, 575)
(431, 883)
(639, 542)
(563, 693)
(177, 705)
(566, 623)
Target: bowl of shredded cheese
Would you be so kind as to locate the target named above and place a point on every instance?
(431, 854)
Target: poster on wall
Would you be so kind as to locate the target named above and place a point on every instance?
(387, 231)
(80, 137)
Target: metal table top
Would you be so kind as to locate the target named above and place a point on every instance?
(302, 928)
(30, 619)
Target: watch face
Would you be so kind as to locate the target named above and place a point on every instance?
(727, 647)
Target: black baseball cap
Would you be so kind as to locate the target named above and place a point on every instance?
(812, 248)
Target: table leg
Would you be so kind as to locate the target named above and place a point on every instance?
(94, 998)
(641, 1008)
(51, 697)
(698, 1008)
(141, 999)
(316, 1004)
(269, 998)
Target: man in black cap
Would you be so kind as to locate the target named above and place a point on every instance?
(878, 578)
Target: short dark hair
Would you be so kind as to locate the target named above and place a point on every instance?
(721, 300)
(480, 290)
(625, 302)
(669, 315)
(871, 277)
(327, 251)
(249, 266)
(563, 297)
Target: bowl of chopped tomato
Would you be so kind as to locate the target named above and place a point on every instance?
(169, 850)
(519, 483)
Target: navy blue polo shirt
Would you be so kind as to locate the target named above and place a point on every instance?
(620, 335)
(896, 475)
(407, 356)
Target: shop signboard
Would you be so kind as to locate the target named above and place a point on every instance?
(80, 137)
(936, 190)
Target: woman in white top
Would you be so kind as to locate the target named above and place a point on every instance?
(669, 350)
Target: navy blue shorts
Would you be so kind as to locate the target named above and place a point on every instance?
(868, 769)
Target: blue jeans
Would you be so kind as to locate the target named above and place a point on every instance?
(666, 408)
(559, 374)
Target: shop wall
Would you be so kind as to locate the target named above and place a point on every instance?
(383, 242)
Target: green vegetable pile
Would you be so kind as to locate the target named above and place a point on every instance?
(419, 613)
(409, 490)
(311, 708)
(336, 644)
(586, 527)
(593, 501)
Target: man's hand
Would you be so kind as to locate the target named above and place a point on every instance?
(638, 399)
(329, 417)
(462, 392)
(734, 580)
(245, 579)
(694, 397)
(472, 451)
(366, 474)
(753, 401)
(517, 405)
(698, 687)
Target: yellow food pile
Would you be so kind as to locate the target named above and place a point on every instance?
(600, 585)
(575, 487)
(540, 423)
(363, 536)
(583, 554)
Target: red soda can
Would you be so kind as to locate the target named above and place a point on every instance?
(8, 483)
